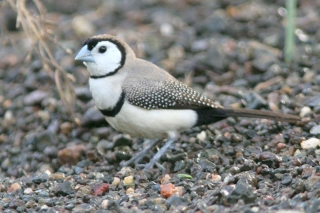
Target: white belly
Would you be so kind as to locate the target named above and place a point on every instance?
(139, 122)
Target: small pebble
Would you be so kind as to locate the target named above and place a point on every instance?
(315, 130)
(130, 191)
(125, 171)
(165, 179)
(57, 176)
(115, 181)
(100, 189)
(305, 111)
(167, 190)
(128, 181)
(28, 191)
(44, 115)
(310, 143)
(281, 146)
(179, 190)
(14, 187)
(104, 203)
(71, 155)
(216, 178)
(35, 97)
(202, 136)
(66, 127)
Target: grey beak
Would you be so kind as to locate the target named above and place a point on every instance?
(84, 55)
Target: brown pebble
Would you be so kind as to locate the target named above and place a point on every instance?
(100, 189)
(71, 155)
(167, 189)
(281, 146)
(66, 128)
(291, 150)
(165, 179)
(259, 169)
(7, 103)
(57, 176)
(239, 154)
(14, 187)
(92, 155)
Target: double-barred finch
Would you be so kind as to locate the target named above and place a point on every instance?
(143, 100)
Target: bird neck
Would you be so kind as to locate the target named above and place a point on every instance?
(106, 91)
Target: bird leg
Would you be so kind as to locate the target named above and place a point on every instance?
(155, 160)
(136, 158)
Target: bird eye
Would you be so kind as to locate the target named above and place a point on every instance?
(102, 49)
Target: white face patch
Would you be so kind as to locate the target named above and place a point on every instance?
(107, 57)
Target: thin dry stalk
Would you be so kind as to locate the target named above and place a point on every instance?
(34, 28)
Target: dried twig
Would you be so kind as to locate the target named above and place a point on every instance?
(34, 27)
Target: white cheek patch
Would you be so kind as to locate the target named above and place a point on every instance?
(108, 61)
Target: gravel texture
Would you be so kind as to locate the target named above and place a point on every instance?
(230, 51)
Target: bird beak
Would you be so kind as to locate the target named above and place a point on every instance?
(84, 55)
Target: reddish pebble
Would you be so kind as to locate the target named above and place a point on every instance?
(71, 155)
(14, 187)
(281, 146)
(167, 190)
(99, 189)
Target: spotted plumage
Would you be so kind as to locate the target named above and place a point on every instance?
(170, 94)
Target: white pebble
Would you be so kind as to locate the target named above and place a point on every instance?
(104, 203)
(202, 136)
(28, 191)
(8, 116)
(305, 111)
(166, 29)
(115, 181)
(297, 152)
(310, 143)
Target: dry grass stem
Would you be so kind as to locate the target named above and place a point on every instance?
(34, 27)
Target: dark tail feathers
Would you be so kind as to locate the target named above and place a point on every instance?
(251, 113)
(211, 115)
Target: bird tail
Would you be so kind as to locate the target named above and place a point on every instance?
(251, 113)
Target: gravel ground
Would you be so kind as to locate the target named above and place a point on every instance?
(231, 51)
